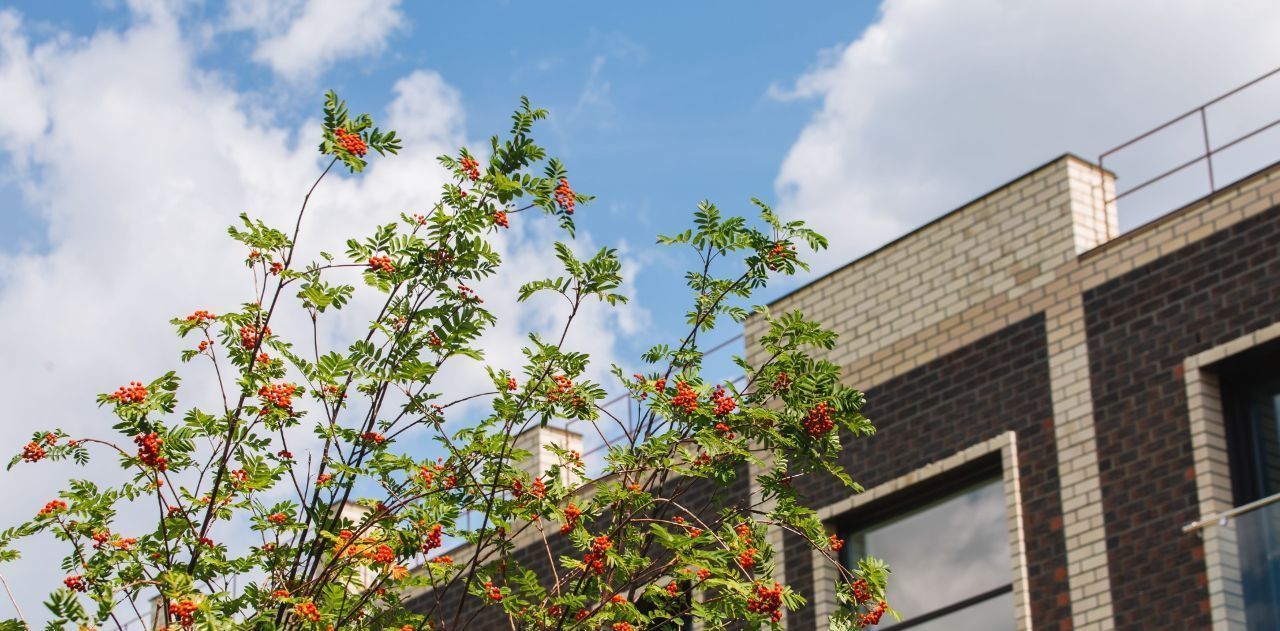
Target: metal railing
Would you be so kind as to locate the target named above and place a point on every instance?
(1209, 150)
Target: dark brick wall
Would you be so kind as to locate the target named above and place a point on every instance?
(1141, 326)
(994, 385)
(703, 497)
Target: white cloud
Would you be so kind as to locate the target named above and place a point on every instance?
(939, 102)
(299, 39)
(136, 159)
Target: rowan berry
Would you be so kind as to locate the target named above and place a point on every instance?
(565, 196)
(149, 446)
(819, 420)
(184, 611)
(135, 392)
(685, 399)
(52, 507)
(351, 142)
(470, 167)
(33, 452)
(307, 611)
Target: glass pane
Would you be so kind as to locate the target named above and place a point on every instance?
(944, 553)
(995, 614)
(1257, 568)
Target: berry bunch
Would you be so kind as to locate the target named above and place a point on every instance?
(381, 264)
(135, 392)
(184, 611)
(686, 399)
(201, 316)
(596, 557)
(564, 196)
(249, 335)
(149, 446)
(52, 507)
(767, 600)
(492, 590)
(277, 518)
(571, 515)
(307, 611)
(500, 219)
(351, 142)
(75, 582)
(819, 420)
(279, 395)
(433, 539)
(724, 404)
(470, 167)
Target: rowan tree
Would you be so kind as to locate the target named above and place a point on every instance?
(347, 523)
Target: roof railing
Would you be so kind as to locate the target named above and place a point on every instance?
(1209, 150)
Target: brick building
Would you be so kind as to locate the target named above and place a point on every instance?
(1054, 404)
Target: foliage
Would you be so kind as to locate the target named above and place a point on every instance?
(342, 537)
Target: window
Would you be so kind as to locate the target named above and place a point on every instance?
(1251, 406)
(949, 553)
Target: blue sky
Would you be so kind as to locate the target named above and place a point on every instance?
(652, 110)
(132, 132)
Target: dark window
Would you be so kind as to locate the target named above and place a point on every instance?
(947, 545)
(1251, 405)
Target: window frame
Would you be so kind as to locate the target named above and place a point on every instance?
(920, 496)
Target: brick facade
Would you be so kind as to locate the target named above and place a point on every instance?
(998, 384)
(1105, 324)
(1141, 327)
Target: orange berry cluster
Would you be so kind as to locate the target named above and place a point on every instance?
(511, 383)
(836, 543)
(470, 167)
(571, 515)
(276, 267)
(34, 451)
(819, 421)
(782, 381)
(277, 518)
(596, 557)
(381, 264)
(75, 582)
(622, 626)
(184, 611)
(200, 316)
(767, 600)
(780, 252)
(52, 507)
(724, 404)
(135, 392)
(443, 559)
(468, 294)
(351, 142)
(307, 611)
(149, 446)
(433, 539)
(500, 219)
(374, 437)
(564, 196)
(563, 389)
(495, 594)
(249, 335)
(748, 557)
(280, 593)
(686, 399)
(872, 618)
(278, 394)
